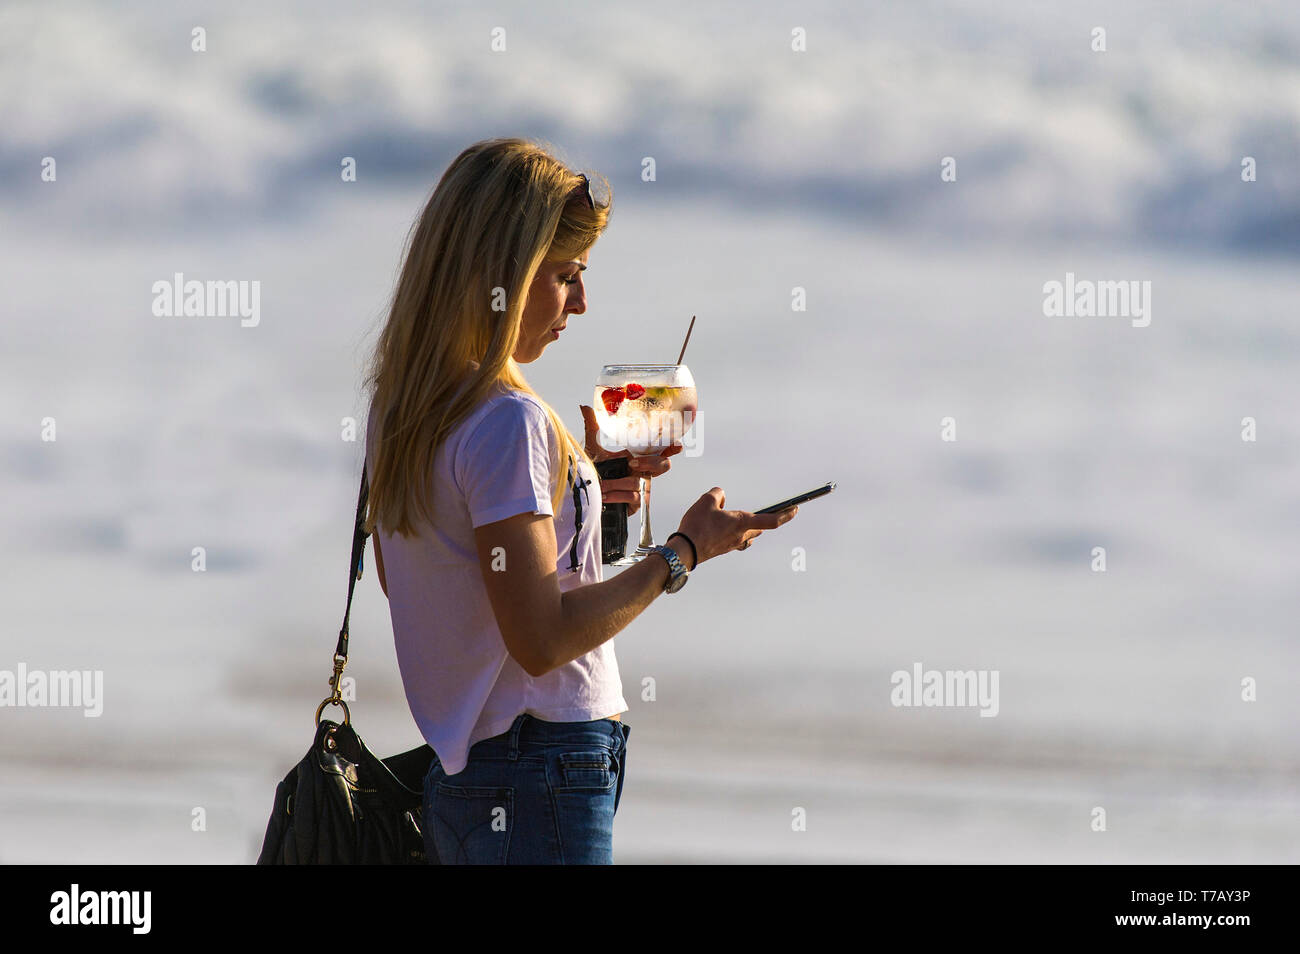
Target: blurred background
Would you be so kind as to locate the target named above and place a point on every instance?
(775, 169)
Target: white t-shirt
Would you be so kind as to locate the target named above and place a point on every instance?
(461, 683)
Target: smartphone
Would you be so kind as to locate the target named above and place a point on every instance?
(810, 495)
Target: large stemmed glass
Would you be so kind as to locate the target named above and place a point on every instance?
(644, 409)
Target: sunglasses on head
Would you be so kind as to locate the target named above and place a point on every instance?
(585, 189)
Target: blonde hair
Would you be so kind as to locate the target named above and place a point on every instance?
(502, 209)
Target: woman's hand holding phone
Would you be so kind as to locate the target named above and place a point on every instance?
(716, 531)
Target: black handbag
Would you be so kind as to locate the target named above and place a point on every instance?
(341, 805)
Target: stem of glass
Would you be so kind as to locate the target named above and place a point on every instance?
(647, 537)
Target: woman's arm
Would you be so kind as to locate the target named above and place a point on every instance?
(545, 628)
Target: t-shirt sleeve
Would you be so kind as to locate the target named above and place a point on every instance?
(503, 467)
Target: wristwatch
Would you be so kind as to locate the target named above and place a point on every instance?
(677, 572)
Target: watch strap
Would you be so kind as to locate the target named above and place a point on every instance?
(676, 569)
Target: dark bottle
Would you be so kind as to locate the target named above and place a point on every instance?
(613, 517)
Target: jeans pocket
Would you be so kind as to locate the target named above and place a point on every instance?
(471, 825)
(588, 770)
(584, 792)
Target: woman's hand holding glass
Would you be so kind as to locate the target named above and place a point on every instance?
(624, 489)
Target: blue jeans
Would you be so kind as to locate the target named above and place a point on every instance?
(539, 793)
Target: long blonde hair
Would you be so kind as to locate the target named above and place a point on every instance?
(502, 209)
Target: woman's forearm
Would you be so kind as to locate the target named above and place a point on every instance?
(590, 615)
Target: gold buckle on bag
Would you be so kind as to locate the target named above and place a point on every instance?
(335, 699)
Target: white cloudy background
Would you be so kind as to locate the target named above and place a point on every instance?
(775, 169)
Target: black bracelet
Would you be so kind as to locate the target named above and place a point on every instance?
(695, 556)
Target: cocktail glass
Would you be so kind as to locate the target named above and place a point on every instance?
(644, 409)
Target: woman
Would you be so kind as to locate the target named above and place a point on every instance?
(502, 622)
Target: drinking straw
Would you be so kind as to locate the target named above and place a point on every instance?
(687, 341)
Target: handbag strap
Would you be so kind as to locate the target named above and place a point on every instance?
(359, 536)
(354, 573)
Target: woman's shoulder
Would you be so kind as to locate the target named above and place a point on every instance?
(520, 402)
(500, 407)
(508, 410)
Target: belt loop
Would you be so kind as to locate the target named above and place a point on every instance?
(515, 729)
